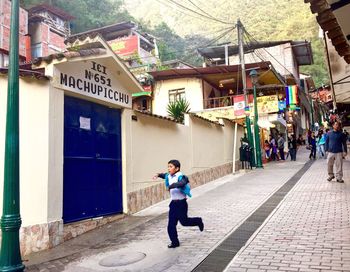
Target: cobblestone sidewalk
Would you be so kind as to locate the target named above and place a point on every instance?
(309, 231)
(223, 209)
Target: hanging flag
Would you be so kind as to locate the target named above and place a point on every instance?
(238, 105)
(291, 95)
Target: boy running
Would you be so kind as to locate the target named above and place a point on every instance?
(177, 184)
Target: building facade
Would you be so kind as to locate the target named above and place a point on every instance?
(48, 28)
(24, 44)
(85, 160)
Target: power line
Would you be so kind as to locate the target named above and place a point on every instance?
(254, 51)
(198, 13)
(249, 35)
(180, 11)
(221, 35)
(201, 9)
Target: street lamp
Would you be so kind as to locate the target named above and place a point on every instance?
(254, 77)
(10, 254)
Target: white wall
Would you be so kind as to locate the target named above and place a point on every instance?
(283, 59)
(193, 93)
(34, 145)
(55, 160)
(199, 145)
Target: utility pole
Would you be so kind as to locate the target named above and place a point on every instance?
(244, 81)
(10, 254)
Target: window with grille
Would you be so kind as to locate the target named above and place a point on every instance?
(176, 95)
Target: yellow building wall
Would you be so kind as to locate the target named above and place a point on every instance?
(34, 147)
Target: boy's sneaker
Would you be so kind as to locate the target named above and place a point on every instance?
(173, 245)
(330, 178)
(201, 226)
(340, 180)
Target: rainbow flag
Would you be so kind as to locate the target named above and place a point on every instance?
(292, 95)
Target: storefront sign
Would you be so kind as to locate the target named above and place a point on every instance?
(281, 105)
(125, 46)
(267, 104)
(94, 80)
(214, 115)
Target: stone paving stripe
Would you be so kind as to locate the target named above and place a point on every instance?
(221, 256)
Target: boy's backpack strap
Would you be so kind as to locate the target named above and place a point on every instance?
(186, 189)
(166, 180)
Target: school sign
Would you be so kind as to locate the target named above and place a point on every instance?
(92, 79)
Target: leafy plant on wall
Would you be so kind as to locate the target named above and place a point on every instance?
(178, 109)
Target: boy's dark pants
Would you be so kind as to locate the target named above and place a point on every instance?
(178, 212)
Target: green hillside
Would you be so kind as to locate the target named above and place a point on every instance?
(179, 31)
(267, 20)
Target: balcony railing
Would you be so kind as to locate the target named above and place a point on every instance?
(218, 102)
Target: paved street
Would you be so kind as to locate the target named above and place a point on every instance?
(308, 231)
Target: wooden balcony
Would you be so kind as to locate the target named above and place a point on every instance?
(218, 102)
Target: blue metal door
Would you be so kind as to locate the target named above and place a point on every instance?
(92, 184)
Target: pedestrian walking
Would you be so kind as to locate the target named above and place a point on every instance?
(179, 188)
(321, 141)
(273, 146)
(280, 144)
(292, 146)
(267, 149)
(312, 144)
(337, 150)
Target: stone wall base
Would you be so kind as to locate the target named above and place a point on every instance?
(48, 235)
(39, 237)
(143, 198)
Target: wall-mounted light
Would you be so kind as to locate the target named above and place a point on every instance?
(221, 85)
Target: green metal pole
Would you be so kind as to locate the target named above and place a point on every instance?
(312, 115)
(10, 254)
(256, 133)
(250, 135)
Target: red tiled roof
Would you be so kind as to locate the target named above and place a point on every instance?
(26, 71)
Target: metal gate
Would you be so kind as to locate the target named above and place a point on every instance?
(92, 184)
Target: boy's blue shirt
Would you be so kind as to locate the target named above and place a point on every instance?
(185, 189)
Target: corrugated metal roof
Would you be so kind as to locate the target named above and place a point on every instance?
(219, 51)
(54, 10)
(200, 72)
(102, 30)
(302, 50)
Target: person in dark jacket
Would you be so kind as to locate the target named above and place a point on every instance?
(176, 183)
(292, 145)
(337, 150)
(312, 144)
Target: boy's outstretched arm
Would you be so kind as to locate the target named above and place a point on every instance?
(159, 175)
(180, 183)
